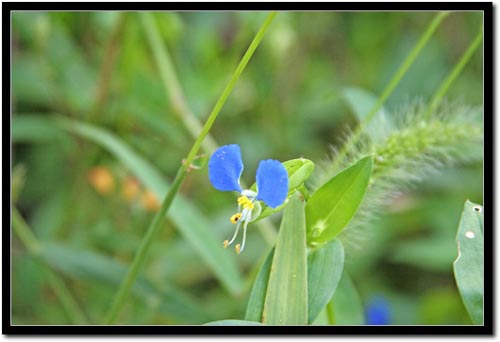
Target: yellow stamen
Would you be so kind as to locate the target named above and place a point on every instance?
(235, 218)
(237, 248)
(242, 200)
(226, 243)
(248, 205)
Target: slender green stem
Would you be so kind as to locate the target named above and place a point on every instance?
(392, 85)
(181, 107)
(443, 88)
(171, 81)
(330, 312)
(24, 233)
(62, 292)
(158, 220)
(66, 298)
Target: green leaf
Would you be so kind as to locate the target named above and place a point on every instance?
(233, 322)
(190, 222)
(468, 266)
(91, 266)
(39, 128)
(324, 270)
(255, 305)
(361, 103)
(299, 170)
(333, 205)
(346, 307)
(286, 298)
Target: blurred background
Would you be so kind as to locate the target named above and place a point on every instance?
(88, 210)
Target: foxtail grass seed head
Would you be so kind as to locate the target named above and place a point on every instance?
(418, 146)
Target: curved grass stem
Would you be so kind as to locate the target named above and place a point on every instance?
(392, 85)
(159, 218)
(443, 88)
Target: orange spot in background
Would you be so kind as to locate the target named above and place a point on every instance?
(101, 179)
(130, 189)
(149, 201)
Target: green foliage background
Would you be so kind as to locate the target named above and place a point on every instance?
(99, 68)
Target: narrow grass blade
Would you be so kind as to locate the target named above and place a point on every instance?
(65, 296)
(324, 270)
(286, 298)
(233, 322)
(468, 266)
(91, 266)
(255, 305)
(333, 205)
(35, 128)
(346, 307)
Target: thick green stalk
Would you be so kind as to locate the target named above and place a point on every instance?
(455, 72)
(392, 85)
(181, 107)
(60, 289)
(158, 220)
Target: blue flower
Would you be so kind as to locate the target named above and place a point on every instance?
(378, 311)
(224, 171)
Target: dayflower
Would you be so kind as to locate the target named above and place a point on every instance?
(224, 171)
(378, 311)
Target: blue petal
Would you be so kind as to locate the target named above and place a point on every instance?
(225, 168)
(272, 182)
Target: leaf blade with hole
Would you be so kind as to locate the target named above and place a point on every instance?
(468, 267)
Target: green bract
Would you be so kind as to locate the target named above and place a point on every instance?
(333, 205)
(299, 170)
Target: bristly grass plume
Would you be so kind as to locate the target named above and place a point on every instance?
(418, 146)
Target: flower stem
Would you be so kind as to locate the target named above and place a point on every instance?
(455, 72)
(60, 289)
(140, 255)
(391, 86)
(180, 106)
